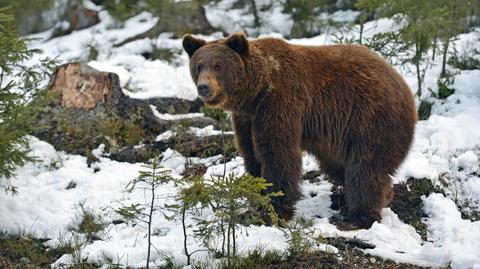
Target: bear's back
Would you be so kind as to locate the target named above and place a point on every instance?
(349, 93)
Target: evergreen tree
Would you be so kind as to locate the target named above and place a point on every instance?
(124, 9)
(452, 21)
(20, 95)
(424, 22)
(28, 14)
(149, 181)
(307, 16)
(232, 199)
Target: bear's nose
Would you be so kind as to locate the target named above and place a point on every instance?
(203, 90)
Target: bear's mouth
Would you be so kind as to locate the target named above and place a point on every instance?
(214, 100)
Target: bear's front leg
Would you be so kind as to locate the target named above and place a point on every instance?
(242, 126)
(276, 140)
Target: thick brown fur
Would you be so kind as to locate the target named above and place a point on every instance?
(342, 103)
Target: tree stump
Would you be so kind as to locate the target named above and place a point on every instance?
(87, 108)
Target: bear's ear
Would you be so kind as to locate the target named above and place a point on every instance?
(192, 44)
(238, 42)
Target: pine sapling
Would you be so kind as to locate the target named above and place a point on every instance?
(191, 199)
(148, 180)
(230, 199)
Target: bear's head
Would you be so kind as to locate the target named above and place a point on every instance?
(218, 69)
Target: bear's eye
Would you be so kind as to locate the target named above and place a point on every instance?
(217, 67)
(199, 68)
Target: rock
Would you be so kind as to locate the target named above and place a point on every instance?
(200, 122)
(206, 146)
(189, 146)
(75, 18)
(82, 18)
(71, 185)
(344, 243)
(194, 170)
(173, 105)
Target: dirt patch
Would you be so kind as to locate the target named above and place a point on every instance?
(407, 202)
(349, 257)
(408, 205)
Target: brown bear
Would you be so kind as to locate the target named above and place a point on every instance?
(343, 103)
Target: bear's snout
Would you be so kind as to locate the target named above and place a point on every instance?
(203, 90)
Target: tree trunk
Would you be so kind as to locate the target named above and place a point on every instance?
(444, 58)
(255, 14)
(419, 79)
(150, 217)
(184, 211)
(362, 25)
(229, 255)
(416, 60)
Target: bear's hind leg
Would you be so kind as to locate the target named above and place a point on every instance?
(366, 192)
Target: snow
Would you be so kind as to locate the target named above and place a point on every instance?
(43, 206)
(207, 131)
(174, 116)
(316, 201)
(199, 132)
(456, 240)
(222, 15)
(173, 160)
(446, 150)
(165, 135)
(394, 239)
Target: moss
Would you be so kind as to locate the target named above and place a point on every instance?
(443, 90)
(73, 138)
(169, 263)
(228, 150)
(348, 257)
(181, 128)
(194, 170)
(110, 127)
(425, 110)
(90, 225)
(80, 131)
(26, 251)
(257, 258)
(131, 133)
(206, 146)
(84, 266)
(408, 205)
(189, 145)
(467, 61)
(92, 53)
(219, 115)
(121, 133)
